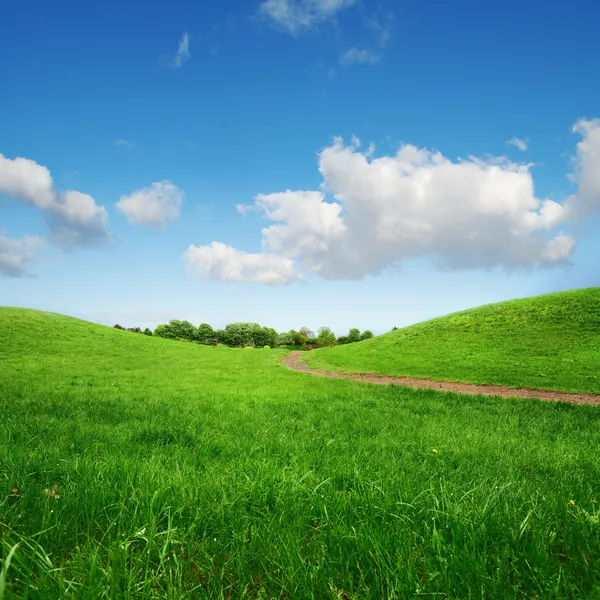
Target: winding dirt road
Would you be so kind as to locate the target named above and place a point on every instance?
(293, 361)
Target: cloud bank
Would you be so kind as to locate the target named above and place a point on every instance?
(372, 214)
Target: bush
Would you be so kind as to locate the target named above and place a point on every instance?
(182, 330)
(206, 334)
(147, 331)
(117, 326)
(238, 335)
(366, 335)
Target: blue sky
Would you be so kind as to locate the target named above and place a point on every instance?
(185, 161)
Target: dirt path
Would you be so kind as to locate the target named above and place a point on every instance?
(293, 361)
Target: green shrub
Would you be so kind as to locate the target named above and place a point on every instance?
(174, 330)
(205, 333)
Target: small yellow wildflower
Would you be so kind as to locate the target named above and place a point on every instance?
(435, 451)
(571, 502)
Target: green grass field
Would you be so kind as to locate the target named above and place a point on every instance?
(136, 467)
(550, 342)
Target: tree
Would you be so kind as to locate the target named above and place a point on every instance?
(177, 330)
(117, 326)
(295, 338)
(325, 337)
(354, 336)
(164, 331)
(205, 333)
(305, 335)
(147, 331)
(366, 334)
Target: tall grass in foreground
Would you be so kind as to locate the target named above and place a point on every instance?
(139, 468)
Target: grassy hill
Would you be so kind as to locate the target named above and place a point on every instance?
(135, 467)
(550, 341)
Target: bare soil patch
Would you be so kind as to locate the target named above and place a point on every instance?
(294, 361)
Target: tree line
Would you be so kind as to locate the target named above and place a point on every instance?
(239, 335)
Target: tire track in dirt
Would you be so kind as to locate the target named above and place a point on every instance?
(294, 362)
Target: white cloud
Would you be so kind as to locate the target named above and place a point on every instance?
(26, 180)
(587, 167)
(355, 55)
(123, 143)
(156, 205)
(74, 218)
(518, 143)
(297, 16)
(374, 213)
(15, 255)
(224, 263)
(183, 52)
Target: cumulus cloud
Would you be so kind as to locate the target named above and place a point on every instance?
(415, 204)
(355, 55)
(587, 167)
(156, 205)
(222, 262)
(518, 143)
(16, 255)
(25, 180)
(374, 213)
(74, 218)
(183, 52)
(297, 16)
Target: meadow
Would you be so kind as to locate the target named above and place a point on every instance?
(139, 467)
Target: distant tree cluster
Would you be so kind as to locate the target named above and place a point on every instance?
(241, 335)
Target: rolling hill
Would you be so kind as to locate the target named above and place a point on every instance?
(137, 467)
(550, 341)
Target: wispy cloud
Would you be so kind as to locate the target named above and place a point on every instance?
(16, 255)
(381, 27)
(298, 16)
(519, 143)
(183, 52)
(356, 55)
(123, 143)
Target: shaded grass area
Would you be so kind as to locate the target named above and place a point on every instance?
(133, 467)
(550, 342)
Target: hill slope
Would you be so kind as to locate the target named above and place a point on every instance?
(550, 341)
(135, 467)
